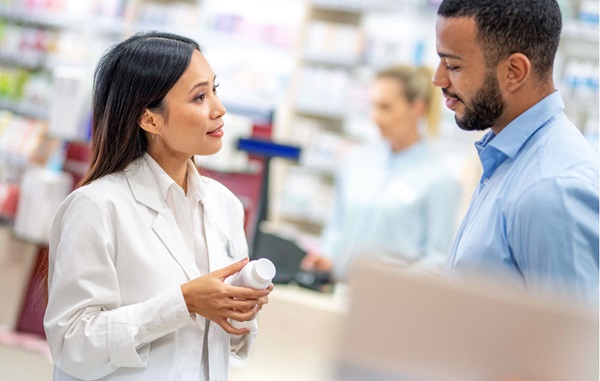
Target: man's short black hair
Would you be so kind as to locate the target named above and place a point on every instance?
(504, 27)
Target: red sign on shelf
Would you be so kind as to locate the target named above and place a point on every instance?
(9, 196)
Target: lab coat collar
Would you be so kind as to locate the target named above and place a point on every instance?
(145, 191)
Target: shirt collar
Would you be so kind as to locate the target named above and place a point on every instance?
(196, 186)
(510, 140)
(196, 189)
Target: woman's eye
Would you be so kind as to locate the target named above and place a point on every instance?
(215, 88)
(200, 97)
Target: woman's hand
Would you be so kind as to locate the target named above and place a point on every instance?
(215, 300)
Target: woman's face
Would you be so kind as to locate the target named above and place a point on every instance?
(193, 123)
(391, 111)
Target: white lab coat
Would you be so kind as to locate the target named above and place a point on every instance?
(117, 260)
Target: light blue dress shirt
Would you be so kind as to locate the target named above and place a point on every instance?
(535, 212)
(400, 206)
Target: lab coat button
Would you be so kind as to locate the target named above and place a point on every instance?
(486, 180)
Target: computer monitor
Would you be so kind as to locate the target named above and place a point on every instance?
(408, 327)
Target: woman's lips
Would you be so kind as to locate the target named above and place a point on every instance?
(216, 133)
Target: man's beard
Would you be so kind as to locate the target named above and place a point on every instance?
(485, 108)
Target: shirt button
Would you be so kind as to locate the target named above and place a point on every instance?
(486, 180)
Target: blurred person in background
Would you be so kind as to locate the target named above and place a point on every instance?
(534, 215)
(139, 252)
(394, 200)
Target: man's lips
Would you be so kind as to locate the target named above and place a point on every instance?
(451, 103)
(452, 100)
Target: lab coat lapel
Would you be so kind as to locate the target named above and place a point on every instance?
(220, 248)
(143, 185)
(165, 227)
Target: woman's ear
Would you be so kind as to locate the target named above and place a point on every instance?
(515, 71)
(419, 108)
(150, 121)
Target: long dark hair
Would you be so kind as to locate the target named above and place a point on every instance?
(132, 76)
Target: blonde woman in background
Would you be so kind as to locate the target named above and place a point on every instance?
(394, 199)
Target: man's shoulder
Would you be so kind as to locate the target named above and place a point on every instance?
(560, 150)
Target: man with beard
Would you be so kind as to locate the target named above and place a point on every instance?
(534, 215)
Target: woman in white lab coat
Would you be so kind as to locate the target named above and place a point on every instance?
(395, 200)
(139, 252)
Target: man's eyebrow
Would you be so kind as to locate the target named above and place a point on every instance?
(449, 55)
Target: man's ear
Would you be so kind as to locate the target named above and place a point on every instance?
(150, 121)
(515, 71)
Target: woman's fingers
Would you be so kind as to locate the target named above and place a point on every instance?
(246, 293)
(243, 305)
(230, 270)
(227, 327)
(243, 315)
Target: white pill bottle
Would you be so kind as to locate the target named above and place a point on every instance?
(256, 274)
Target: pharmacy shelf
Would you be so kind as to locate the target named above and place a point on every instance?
(110, 26)
(329, 113)
(319, 111)
(314, 170)
(60, 21)
(301, 217)
(580, 40)
(211, 37)
(362, 6)
(359, 6)
(28, 62)
(25, 109)
(581, 31)
(316, 59)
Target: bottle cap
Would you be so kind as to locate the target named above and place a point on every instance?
(264, 270)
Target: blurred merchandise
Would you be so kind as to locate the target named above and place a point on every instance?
(576, 68)
(468, 329)
(42, 192)
(70, 106)
(9, 196)
(20, 138)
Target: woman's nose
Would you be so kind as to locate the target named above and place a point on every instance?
(218, 109)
